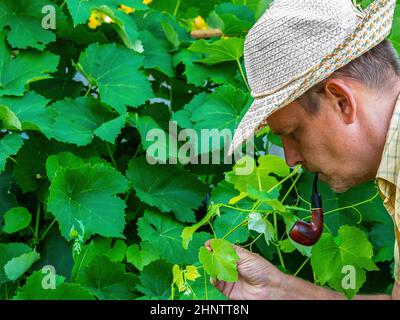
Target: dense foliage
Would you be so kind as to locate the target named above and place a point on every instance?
(78, 197)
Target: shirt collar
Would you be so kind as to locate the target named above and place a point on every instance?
(389, 167)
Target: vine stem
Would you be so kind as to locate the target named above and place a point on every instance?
(47, 230)
(62, 5)
(177, 7)
(37, 223)
(242, 74)
(205, 284)
(88, 90)
(277, 246)
(111, 156)
(286, 178)
(350, 206)
(12, 159)
(301, 267)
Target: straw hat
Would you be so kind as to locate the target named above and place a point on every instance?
(297, 43)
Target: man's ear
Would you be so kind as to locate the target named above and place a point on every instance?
(342, 99)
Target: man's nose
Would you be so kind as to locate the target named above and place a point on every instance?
(292, 155)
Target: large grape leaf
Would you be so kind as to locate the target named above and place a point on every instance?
(16, 73)
(223, 50)
(9, 145)
(88, 194)
(169, 190)
(219, 113)
(156, 54)
(221, 262)
(24, 19)
(108, 280)
(29, 171)
(228, 221)
(33, 290)
(156, 279)
(78, 121)
(141, 257)
(232, 19)
(198, 73)
(260, 177)
(350, 248)
(114, 70)
(164, 234)
(29, 113)
(8, 251)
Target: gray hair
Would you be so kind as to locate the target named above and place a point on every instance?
(376, 69)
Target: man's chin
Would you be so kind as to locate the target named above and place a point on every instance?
(336, 186)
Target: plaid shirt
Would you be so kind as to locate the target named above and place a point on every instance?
(388, 180)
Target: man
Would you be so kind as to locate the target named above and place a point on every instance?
(346, 127)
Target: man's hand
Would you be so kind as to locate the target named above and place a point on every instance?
(258, 278)
(261, 280)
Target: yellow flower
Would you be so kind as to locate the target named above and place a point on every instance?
(199, 23)
(225, 37)
(126, 9)
(97, 18)
(147, 1)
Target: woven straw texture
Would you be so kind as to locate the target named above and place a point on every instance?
(298, 43)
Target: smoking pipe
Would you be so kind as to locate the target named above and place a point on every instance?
(308, 233)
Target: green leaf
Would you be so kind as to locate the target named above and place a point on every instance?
(79, 120)
(9, 145)
(236, 19)
(187, 233)
(108, 280)
(156, 55)
(260, 178)
(382, 238)
(16, 73)
(8, 251)
(115, 252)
(57, 88)
(67, 159)
(24, 19)
(197, 73)
(223, 50)
(229, 220)
(260, 225)
(174, 189)
(88, 194)
(220, 112)
(114, 70)
(33, 290)
(16, 219)
(30, 113)
(221, 262)
(156, 279)
(164, 234)
(17, 266)
(330, 255)
(141, 257)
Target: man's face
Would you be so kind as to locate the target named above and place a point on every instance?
(326, 143)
